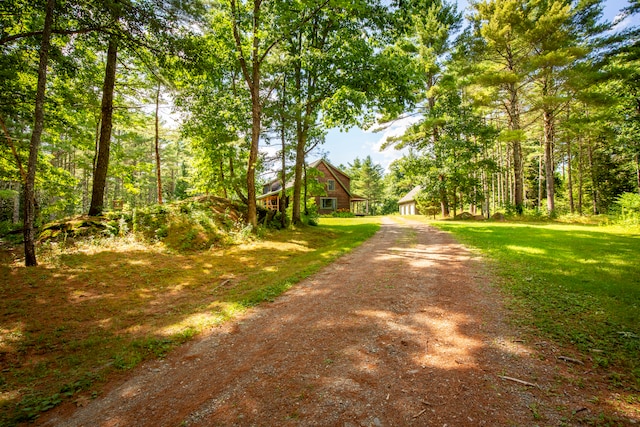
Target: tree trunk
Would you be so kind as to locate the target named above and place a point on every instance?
(444, 201)
(638, 171)
(570, 177)
(305, 195)
(16, 204)
(594, 189)
(580, 175)
(158, 170)
(224, 187)
(540, 179)
(514, 125)
(106, 124)
(256, 116)
(301, 142)
(283, 158)
(548, 160)
(485, 195)
(34, 147)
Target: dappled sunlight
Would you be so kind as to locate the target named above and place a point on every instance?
(199, 321)
(84, 295)
(526, 249)
(7, 396)
(10, 336)
(379, 314)
(139, 262)
(587, 261)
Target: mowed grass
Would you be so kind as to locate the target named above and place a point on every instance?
(86, 314)
(577, 284)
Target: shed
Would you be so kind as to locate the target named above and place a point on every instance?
(407, 204)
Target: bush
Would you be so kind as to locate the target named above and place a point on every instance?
(343, 213)
(312, 217)
(628, 208)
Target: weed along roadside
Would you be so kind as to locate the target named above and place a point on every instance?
(97, 308)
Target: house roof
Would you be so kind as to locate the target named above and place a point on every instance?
(332, 170)
(410, 196)
(275, 192)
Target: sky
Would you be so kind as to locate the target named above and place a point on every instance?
(342, 148)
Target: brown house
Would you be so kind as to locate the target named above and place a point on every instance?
(337, 192)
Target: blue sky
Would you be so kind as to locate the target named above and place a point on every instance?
(344, 147)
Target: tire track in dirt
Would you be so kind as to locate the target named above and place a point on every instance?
(405, 330)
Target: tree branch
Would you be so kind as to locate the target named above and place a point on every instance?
(236, 36)
(287, 34)
(9, 39)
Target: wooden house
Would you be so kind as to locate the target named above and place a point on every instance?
(407, 204)
(336, 196)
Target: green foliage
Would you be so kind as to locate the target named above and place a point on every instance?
(628, 205)
(367, 182)
(193, 224)
(576, 284)
(343, 213)
(312, 216)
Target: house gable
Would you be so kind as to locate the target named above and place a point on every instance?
(336, 183)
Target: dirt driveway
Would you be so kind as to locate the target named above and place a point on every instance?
(405, 330)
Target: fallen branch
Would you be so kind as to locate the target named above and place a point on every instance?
(519, 381)
(221, 284)
(571, 360)
(420, 413)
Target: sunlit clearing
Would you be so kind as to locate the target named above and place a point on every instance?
(526, 249)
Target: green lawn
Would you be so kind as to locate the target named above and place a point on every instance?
(92, 310)
(578, 284)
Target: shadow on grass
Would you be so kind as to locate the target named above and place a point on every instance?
(64, 327)
(580, 284)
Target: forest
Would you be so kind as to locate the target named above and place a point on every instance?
(520, 106)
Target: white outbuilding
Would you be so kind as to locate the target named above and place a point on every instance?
(407, 205)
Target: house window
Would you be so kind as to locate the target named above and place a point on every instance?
(328, 203)
(331, 185)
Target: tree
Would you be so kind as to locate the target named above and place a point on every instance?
(502, 53)
(106, 124)
(332, 75)
(429, 42)
(29, 192)
(134, 23)
(367, 180)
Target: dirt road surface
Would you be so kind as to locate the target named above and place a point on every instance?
(407, 330)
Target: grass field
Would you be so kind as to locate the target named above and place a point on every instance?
(96, 309)
(577, 284)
